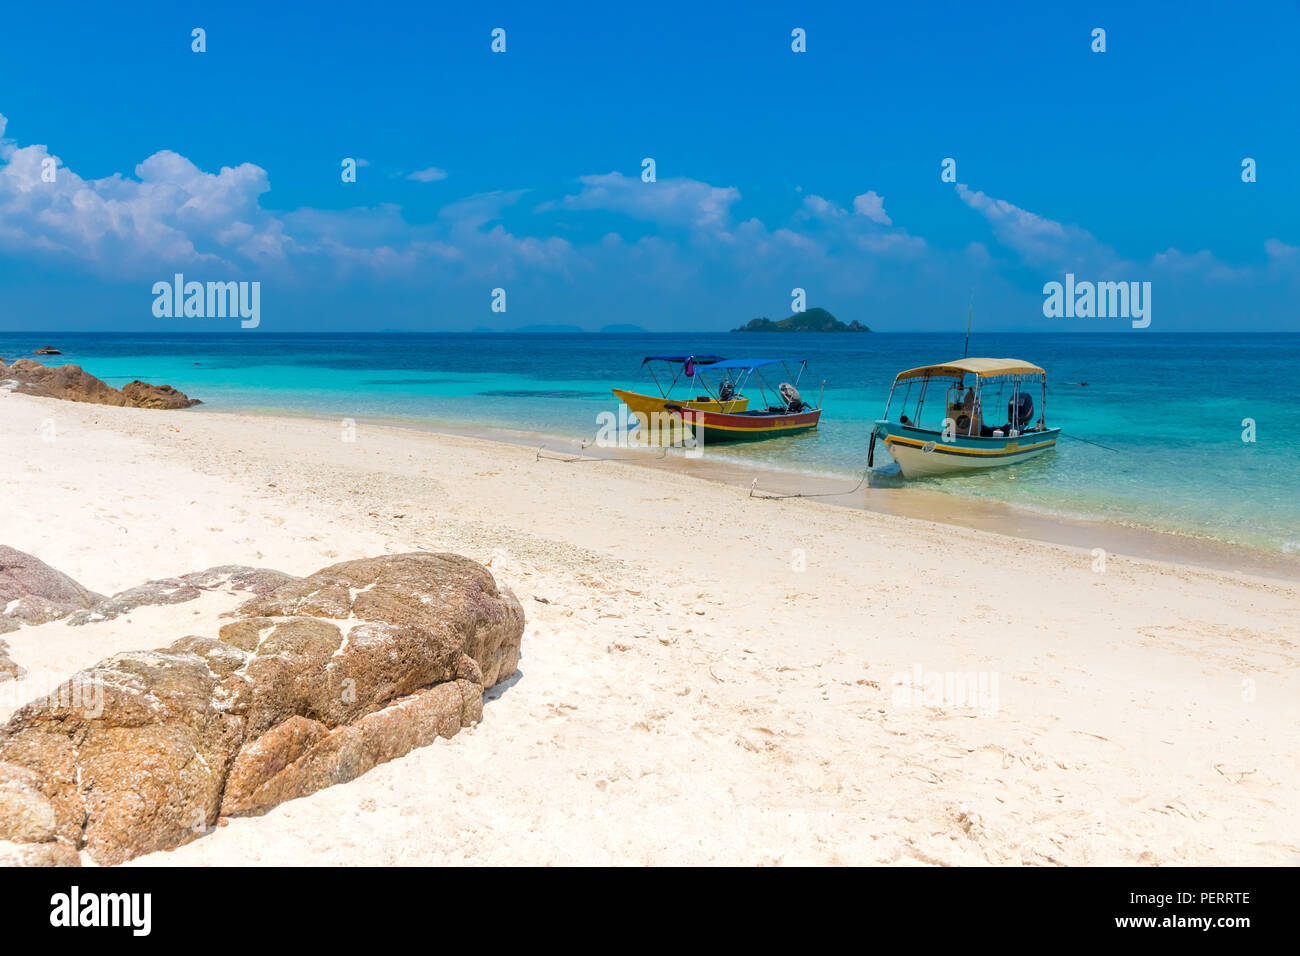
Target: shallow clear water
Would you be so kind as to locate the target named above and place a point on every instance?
(1170, 406)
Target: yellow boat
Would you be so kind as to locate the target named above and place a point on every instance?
(681, 366)
(649, 404)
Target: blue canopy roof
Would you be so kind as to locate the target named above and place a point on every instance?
(680, 359)
(751, 364)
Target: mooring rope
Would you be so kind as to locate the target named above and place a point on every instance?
(802, 494)
(1087, 442)
(586, 458)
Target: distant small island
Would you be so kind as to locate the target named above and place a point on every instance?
(556, 329)
(814, 320)
(622, 329)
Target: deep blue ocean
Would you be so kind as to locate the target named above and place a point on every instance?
(1170, 408)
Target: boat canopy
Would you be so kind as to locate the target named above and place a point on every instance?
(980, 367)
(682, 359)
(751, 364)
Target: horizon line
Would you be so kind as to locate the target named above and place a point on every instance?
(477, 332)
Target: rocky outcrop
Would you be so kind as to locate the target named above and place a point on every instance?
(143, 395)
(312, 684)
(178, 590)
(453, 596)
(300, 756)
(47, 350)
(132, 753)
(32, 592)
(71, 383)
(433, 633)
(67, 382)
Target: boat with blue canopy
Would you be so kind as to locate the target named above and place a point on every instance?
(675, 371)
(784, 411)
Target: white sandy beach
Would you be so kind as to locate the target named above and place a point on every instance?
(706, 677)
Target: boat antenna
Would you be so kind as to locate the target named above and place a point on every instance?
(969, 316)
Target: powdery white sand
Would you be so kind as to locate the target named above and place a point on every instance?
(690, 694)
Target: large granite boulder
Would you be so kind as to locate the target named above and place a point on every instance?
(312, 684)
(68, 382)
(300, 756)
(143, 395)
(32, 592)
(132, 753)
(452, 595)
(345, 657)
(74, 384)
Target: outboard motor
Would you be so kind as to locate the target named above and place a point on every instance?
(1020, 410)
(726, 391)
(793, 400)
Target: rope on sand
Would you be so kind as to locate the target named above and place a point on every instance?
(580, 459)
(801, 494)
(589, 458)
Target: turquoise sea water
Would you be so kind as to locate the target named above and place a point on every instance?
(1170, 406)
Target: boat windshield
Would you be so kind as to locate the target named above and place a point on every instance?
(969, 405)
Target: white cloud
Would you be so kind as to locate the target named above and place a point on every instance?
(668, 202)
(169, 214)
(430, 175)
(1039, 241)
(818, 207)
(1046, 243)
(860, 232)
(873, 207)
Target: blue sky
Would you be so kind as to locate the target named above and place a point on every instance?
(775, 169)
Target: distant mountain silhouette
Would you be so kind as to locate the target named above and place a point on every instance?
(813, 320)
(547, 328)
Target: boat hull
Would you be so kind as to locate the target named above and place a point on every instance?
(650, 404)
(716, 427)
(922, 452)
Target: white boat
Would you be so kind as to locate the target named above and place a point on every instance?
(953, 434)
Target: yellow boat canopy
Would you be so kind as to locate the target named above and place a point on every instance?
(981, 367)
